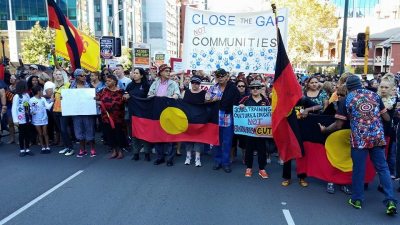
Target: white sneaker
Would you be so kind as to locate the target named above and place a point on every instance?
(280, 162)
(70, 152)
(63, 151)
(187, 161)
(197, 163)
(268, 160)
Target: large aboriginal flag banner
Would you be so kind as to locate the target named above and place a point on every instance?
(328, 157)
(285, 95)
(70, 34)
(162, 119)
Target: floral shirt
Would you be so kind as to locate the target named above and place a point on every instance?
(114, 104)
(363, 108)
(320, 98)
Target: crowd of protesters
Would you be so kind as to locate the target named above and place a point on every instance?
(31, 104)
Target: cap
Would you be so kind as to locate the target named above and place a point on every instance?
(33, 66)
(78, 72)
(220, 72)
(256, 83)
(195, 79)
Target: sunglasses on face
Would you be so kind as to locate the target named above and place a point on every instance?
(219, 76)
(255, 88)
(241, 86)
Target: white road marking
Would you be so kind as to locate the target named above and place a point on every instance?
(288, 217)
(34, 201)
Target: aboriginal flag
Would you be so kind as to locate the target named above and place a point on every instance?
(72, 39)
(328, 157)
(286, 93)
(162, 119)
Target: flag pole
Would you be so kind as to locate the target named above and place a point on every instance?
(273, 6)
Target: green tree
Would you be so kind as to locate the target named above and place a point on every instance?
(126, 57)
(310, 21)
(37, 45)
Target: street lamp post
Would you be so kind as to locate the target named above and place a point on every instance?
(112, 19)
(386, 47)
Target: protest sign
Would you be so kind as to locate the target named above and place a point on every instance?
(78, 102)
(243, 42)
(159, 59)
(254, 121)
(141, 55)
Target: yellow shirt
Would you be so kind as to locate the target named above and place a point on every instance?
(57, 96)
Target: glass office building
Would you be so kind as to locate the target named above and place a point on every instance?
(27, 12)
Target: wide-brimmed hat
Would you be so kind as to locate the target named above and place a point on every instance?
(162, 68)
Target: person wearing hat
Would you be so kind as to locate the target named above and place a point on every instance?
(194, 96)
(33, 70)
(255, 143)
(364, 110)
(163, 86)
(226, 93)
(83, 124)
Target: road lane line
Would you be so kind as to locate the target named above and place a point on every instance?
(34, 201)
(288, 217)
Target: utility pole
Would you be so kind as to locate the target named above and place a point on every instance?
(343, 54)
(366, 50)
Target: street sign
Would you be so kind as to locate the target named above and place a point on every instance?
(107, 46)
(141, 55)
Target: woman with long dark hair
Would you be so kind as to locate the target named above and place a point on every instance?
(139, 87)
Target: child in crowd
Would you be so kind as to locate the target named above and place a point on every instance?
(21, 116)
(38, 106)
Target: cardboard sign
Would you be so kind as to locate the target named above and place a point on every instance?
(254, 121)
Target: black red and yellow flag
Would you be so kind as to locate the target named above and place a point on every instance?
(286, 93)
(162, 119)
(73, 40)
(328, 157)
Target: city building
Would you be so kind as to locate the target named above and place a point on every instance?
(121, 18)
(161, 26)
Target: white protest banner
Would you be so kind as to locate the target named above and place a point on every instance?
(78, 102)
(178, 66)
(254, 121)
(244, 42)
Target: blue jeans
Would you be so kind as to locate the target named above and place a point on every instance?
(223, 151)
(62, 124)
(162, 148)
(377, 156)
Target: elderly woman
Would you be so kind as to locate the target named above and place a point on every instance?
(83, 124)
(112, 113)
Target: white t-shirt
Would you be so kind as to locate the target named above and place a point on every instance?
(123, 82)
(38, 108)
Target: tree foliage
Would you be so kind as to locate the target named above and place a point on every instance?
(126, 57)
(309, 22)
(37, 45)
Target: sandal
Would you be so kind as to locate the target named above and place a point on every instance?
(285, 183)
(303, 183)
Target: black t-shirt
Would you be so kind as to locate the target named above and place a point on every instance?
(138, 89)
(194, 98)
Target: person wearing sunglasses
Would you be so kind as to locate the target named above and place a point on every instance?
(194, 96)
(255, 143)
(226, 93)
(237, 138)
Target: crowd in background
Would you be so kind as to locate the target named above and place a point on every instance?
(31, 111)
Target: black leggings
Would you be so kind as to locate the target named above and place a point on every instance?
(24, 137)
(115, 137)
(252, 144)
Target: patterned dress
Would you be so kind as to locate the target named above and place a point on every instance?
(114, 104)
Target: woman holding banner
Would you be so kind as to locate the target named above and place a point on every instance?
(255, 143)
(112, 106)
(83, 124)
(139, 87)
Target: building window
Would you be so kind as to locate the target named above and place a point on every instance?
(155, 30)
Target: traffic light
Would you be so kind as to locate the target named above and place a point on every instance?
(359, 45)
(118, 49)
